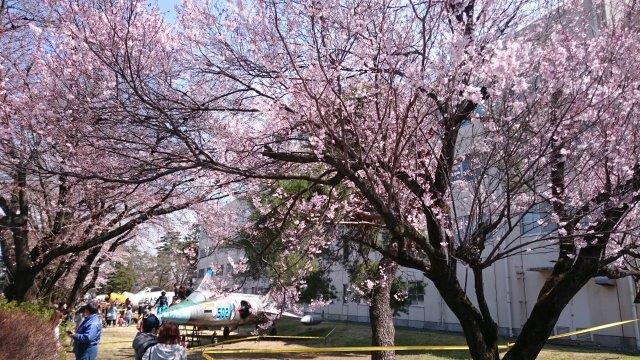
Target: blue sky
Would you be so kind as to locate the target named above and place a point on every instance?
(167, 8)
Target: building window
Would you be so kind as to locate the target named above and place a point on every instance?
(345, 293)
(463, 171)
(416, 292)
(200, 273)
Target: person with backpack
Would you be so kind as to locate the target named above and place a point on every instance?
(147, 337)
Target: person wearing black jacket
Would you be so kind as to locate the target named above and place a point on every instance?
(147, 337)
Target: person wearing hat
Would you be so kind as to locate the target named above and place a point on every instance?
(147, 337)
(87, 335)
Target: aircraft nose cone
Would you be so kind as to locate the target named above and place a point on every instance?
(310, 320)
(178, 316)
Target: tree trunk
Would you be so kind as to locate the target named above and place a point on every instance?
(82, 274)
(548, 308)
(481, 332)
(381, 316)
(18, 288)
(50, 279)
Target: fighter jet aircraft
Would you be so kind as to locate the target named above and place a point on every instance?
(227, 312)
(148, 295)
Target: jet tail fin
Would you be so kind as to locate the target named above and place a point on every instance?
(199, 295)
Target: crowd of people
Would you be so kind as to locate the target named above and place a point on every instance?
(154, 340)
(116, 316)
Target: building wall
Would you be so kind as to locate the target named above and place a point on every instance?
(511, 287)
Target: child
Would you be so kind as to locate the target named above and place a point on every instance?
(120, 320)
(56, 321)
(128, 315)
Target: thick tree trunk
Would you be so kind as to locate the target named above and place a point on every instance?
(548, 308)
(18, 288)
(480, 331)
(23, 273)
(381, 316)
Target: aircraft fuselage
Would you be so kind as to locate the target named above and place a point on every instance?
(229, 311)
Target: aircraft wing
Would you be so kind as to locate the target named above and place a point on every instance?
(284, 313)
(309, 319)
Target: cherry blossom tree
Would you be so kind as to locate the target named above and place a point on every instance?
(445, 122)
(56, 94)
(449, 122)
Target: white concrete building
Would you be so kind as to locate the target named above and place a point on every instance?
(511, 288)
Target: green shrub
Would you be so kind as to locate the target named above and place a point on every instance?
(38, 310)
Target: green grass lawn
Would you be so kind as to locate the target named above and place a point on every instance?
(116, 344)
(350, 334)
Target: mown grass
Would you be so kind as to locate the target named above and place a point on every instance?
(116, 344)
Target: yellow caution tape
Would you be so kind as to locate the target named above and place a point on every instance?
(293, 337)
(206, 353)
(591, 329)
(301, 349)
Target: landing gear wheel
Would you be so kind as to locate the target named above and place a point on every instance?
(225, 332)
(273, 331)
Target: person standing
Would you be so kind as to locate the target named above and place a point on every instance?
(120, 320)
(56, 321)
(128, 315)
(146, 311)
(87, 336)
(176, 292)
(62, 308)
(168, 346)
(147, 337)
(112, 314)
(162, 302)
